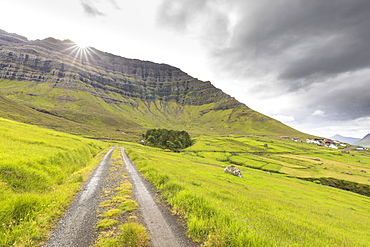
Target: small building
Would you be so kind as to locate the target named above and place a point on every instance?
(332, 145)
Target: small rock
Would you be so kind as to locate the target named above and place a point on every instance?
(234, 171)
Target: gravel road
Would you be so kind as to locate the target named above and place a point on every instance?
(76, 228)
(165, 230)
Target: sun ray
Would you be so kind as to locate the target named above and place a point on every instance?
(81, 53)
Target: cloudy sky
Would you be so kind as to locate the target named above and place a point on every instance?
(305, 63)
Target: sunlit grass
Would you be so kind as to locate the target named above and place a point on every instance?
(40, 170)
(262, 209)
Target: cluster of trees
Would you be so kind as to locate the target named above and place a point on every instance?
(171, 139)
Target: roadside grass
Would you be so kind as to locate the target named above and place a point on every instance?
(40, 171)
(119, 223)
(261, 209)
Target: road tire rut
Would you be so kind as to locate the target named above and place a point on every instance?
(77, 227)
(164, 228)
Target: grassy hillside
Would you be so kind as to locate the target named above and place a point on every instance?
(263, 208)
(101, 113)
(285, 156)
(40, 170)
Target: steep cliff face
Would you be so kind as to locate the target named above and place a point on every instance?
(89, 86)
(65, 65)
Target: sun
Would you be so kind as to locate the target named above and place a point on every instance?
(82, 45)
(80, 51)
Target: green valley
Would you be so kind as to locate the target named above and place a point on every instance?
(60, 111)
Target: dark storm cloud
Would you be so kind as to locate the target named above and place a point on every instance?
(301, 38)
(90, 9)
(292, 45)
(349, 98)
(329, 37)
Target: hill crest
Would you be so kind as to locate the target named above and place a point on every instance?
(94, 87)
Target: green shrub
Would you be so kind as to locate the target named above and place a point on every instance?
(170, 139)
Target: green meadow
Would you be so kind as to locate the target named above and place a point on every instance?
(285, 156)
(270, 206)
(40, 172)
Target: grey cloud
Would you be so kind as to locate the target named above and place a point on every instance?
(177, 14)
(299, 39)
(341, 98)
(115, 4)
(351, 103)
(306, 39)
(287, 45)
(90, 9)
(335, 40)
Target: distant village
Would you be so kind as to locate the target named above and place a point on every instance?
(329, 143)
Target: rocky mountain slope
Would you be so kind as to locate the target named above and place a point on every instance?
(87, 91)
(364, 141)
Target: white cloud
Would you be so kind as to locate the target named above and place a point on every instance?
(318, 113)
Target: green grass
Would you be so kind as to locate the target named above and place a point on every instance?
(260, 209)
(130, 234)
(106, 224)
(40, 170)
(128, 206)
(112, 213)
(284, 156)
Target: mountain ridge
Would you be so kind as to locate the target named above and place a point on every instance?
(349, 140)
(88, 86)
(364, 141)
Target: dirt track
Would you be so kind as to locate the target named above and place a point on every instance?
(77, 227)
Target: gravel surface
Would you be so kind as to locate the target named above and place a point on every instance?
(77, 227)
